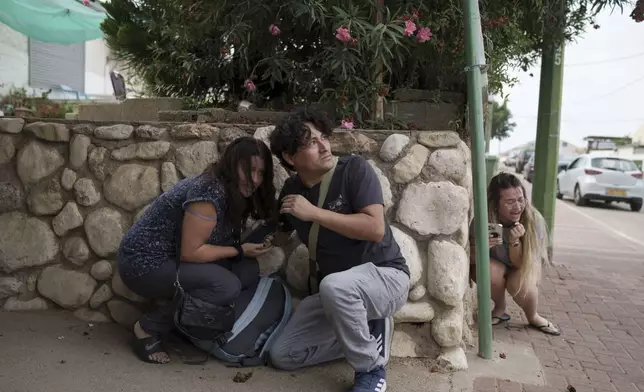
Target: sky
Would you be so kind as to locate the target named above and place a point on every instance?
(603, 91)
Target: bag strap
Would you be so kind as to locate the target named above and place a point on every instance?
(315, 228)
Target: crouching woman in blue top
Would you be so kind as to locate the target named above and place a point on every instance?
(197, 222)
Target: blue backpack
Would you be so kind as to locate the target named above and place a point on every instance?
(260, 315)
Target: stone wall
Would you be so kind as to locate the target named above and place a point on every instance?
(69, 191)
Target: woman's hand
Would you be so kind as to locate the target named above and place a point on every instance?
(494, 241)
(254, 250)
(516, 233)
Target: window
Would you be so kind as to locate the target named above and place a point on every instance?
(614, 164)
(574, 164)
(52, 65)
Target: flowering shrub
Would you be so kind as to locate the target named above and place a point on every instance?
(282, 53)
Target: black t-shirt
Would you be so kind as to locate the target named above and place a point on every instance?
(354, 186)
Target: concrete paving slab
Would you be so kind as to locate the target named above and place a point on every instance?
(513, 362)
(55, 352)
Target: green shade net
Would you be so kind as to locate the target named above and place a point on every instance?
(55, 21)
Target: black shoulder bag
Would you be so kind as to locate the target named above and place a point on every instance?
(201, 320)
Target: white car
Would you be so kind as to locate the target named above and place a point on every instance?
(605, 178)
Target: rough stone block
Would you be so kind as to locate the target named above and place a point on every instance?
(433, 208)
(25, 242)
(11, 125)
(132, 186)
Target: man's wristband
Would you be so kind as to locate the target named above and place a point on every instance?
(240, 251)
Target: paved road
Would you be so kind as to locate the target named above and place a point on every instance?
(595, 293)
(607, 237)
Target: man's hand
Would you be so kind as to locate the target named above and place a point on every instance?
(299, 207)
(516, 233)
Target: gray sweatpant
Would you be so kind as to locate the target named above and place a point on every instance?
(334, 323)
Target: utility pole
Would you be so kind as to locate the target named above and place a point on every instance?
(378, 104)
(548, 123)
(475, 57)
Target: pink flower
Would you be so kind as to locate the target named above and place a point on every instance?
(424, 34)
(347, 124)
(249, 85)
(274, 30)
(86, 3)
(410, 27)
(343, 34)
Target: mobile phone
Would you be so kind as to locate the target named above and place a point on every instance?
(495, 230)
(258, 234)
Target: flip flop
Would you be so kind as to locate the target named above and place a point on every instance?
(496, 320)
(554, 330)
(144, 348)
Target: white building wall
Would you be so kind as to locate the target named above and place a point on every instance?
(630, 152)
(14, 59)
(97, 71)
(14, 64)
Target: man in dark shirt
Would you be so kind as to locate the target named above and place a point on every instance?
(363, 277)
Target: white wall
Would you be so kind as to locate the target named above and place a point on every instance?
(14, 64)
(14, 59)
(97, 71)
(630, 152)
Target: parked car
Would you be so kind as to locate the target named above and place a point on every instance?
(522, 159)
(511, 160)
(529, 169)
(562, 164)
(605, 178)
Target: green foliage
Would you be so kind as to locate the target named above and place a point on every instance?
(211, 49)
(502, 124)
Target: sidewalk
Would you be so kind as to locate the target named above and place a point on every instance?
(602, 343)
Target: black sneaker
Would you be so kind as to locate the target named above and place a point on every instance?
(373, 381)
(382, 330)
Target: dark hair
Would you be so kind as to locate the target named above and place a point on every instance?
(261, 204)
(500, 182)
(292, 132)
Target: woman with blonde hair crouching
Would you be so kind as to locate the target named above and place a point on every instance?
(517, 254)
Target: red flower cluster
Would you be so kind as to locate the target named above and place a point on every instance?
(344, 35)
(423, 34)
(347, 123)
(415, 15)
(249, 85)
(274, 30)
(495, 23)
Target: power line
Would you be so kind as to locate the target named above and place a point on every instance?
(620, 88)
(595, 98)
(632, 56)
(587, 120)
